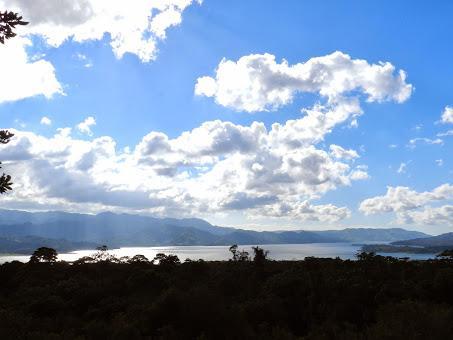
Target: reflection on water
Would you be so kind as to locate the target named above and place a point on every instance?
(220, 253)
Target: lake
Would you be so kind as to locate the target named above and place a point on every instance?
(221, 253)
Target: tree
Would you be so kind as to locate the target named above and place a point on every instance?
(166, 260)
(239, 255)
(8, 22)
(138, 259)
(234, 250)
(5, 180)
(243, 256)
(366, 256)
(44, 254)
(260, 255)
(102, 255)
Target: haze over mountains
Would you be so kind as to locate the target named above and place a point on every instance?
(76, 231)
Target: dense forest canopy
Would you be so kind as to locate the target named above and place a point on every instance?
(373, 298)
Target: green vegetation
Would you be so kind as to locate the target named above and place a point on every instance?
(106, 297)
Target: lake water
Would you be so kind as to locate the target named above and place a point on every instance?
(221, 253)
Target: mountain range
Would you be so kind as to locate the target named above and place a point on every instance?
(420, 245)
(444, 240)
(119, 230)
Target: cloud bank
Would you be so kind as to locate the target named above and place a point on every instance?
(412, 207)
(218, 167)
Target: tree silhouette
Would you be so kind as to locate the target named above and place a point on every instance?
(366, 256)
(234, 250)
(44, 254)
(138, 259)
(5, 180)
(8, 22)
(260, 255)
(166, 260)
(239, 255)
(102, 255)
(243, 256)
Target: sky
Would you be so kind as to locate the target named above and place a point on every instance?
(265, 115)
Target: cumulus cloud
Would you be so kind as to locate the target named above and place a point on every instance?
(305, 211)
(429, 216)
(217, 167)
(45, 121)
(411, 206)
(26, 77)
(220, 166)
(447, 115)
(131, 27)
(85, 126)
(338, 152)
(258, 82)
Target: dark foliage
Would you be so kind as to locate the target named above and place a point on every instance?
(44, 254)
(8, 22)
(5, 136)
(374, 298)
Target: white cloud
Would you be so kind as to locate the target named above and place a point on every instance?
(304, 211)
(338, 152)
(258, 83)
(45, 121)
(440, 162)
(411, 206)
(217, 167)
(25, 77)
(445, 134)
(413, 142)
(399, 199)
(85, 126)
(132, 27)
(429, 216)
(402, 168)
(87, 63)
(447, 115)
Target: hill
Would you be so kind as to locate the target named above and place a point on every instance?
(373, 234)
(120, 230)
(443, 240)
(27, 244)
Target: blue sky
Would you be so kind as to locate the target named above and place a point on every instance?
(129, 96)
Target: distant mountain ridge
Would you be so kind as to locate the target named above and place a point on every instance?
(373, 234)
(119, 230)
(27, 244)
(443, 240)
